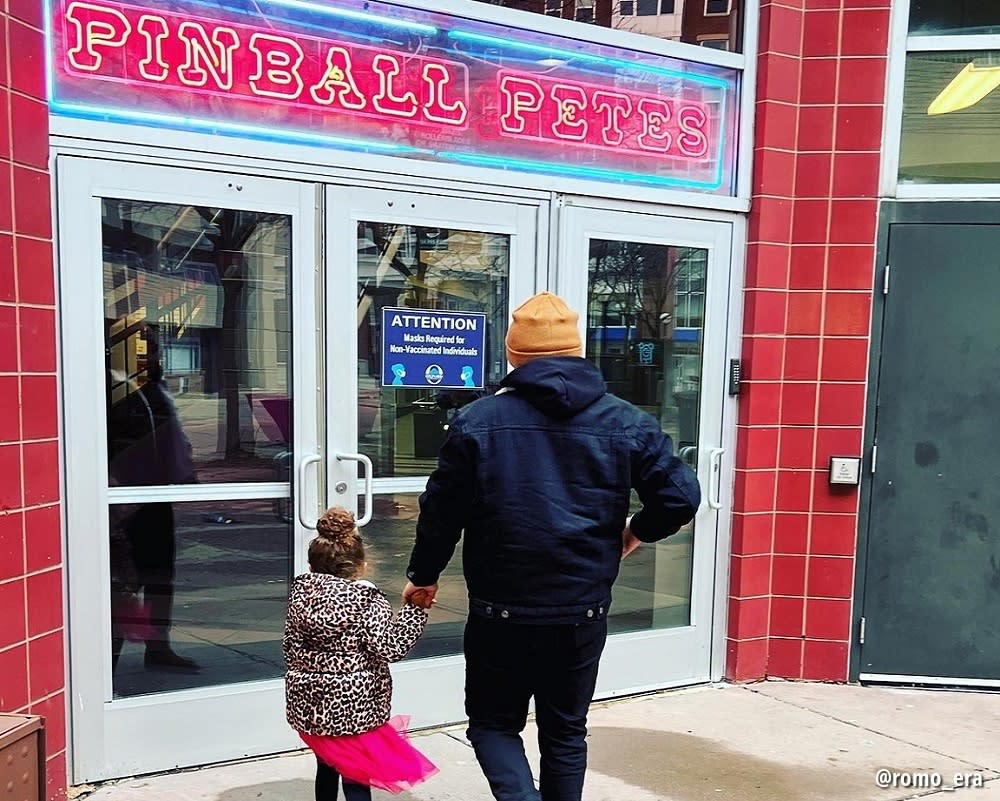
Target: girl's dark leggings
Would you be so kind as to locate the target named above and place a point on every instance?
(326, 785)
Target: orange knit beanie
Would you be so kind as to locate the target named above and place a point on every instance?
(543, 326)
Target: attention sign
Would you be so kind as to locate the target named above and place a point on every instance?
(395, 80)
(424, 348)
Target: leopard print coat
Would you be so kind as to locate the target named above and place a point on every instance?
(340, 636)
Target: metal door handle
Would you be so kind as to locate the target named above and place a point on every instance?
(300, 488)
(715, 467)
(360, 457)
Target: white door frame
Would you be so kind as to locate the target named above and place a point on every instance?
(111, 738)
(693, 653)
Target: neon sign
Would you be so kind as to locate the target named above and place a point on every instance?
(388, 79)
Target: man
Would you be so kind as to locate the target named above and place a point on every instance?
(147, 447)
(539, 477)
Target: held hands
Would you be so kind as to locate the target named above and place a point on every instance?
(420, 596)
(629, 541)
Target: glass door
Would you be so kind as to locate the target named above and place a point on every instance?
(189, 364)
(653, 293)
(419, 293)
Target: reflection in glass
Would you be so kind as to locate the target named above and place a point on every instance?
(645, 326)
(949, 17)
(388, 542)
(951, 113)
(418, 267)
(198, 336)
(210, 578)
(710, 23)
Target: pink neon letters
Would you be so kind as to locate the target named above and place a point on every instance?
(571, 112)
(135, 45)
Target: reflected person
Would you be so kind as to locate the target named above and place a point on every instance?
(147, 447)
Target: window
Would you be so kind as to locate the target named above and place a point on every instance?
(714, 42)
(951, 115)
(196, 302)
(402, 429)
(645, 8)
(717, 7)
(951, 94)
(553, 8)
(933, 17)
(584, 11)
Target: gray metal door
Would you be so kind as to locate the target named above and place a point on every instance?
(932, 579)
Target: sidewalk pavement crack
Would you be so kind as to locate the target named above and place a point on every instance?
(857, 725)
(457, 738)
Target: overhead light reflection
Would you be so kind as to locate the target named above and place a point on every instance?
(966, 89)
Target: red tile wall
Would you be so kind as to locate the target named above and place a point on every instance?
(32, 660)
(810, 272)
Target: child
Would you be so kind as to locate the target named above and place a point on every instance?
(340, 636)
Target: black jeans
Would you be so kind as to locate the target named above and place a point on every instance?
(326, 785)
(505, 666)
(154, 551)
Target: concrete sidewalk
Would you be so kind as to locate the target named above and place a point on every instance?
(773, 741)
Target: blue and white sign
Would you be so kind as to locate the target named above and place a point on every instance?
(429, 348)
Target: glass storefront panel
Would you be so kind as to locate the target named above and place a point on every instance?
(645, 318)
(197, 343)
(417, 267)
(717, 24)
(951, 113)
(949, 17)
(388, 542)
(211, 579)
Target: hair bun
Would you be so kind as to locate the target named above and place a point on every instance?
(337, 525)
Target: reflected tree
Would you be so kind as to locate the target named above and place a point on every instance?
(637, 279)
(234, 233)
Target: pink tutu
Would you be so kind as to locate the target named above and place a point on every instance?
(131, 618)
(382, 758)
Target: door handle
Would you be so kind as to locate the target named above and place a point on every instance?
(689, 455)
(360, 457)
(715, 477)
(306, 521)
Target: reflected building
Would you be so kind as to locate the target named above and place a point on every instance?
(214, 284)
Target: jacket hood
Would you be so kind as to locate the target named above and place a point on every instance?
(324, 602)
(558, 386)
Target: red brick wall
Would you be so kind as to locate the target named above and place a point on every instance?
(810, 272)
(32, 665)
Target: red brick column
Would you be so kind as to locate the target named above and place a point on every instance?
(810, 272)
(32, 664)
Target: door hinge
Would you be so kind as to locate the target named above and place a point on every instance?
(861, 631)
(885, 281)
(874, 456)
